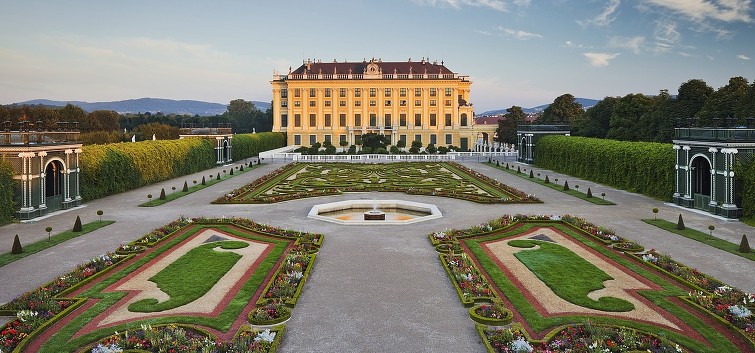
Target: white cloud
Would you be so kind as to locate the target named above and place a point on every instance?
(702, 10)
(571, 44)
(600, 59)
(604, 18)
(498, 5)
(634, 44)
(743, 57)
(485, 33)
(518, 34)
(685, 54)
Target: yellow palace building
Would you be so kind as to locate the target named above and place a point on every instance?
(340, 101)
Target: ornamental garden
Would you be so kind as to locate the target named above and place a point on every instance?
(531, 283)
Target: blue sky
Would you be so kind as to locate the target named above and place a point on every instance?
(517, 52)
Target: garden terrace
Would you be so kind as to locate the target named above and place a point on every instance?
(600, 297)
(296, 181)
(203, 283)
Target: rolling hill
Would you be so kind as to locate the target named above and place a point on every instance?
(152, 105)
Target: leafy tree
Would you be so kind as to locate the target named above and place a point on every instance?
(161, 131)
(657, 124)
(401, 144)
(431, 149)
(691, 98)
(626, 116)
(721, 104)
(506, 131)
(72, 113)
(596, 121)
(563, 110)
(101, 120)
(374, 140)
(416, 145)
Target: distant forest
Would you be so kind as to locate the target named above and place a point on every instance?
(638, 117)
(107, 126)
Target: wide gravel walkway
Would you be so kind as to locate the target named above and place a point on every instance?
(373, 288)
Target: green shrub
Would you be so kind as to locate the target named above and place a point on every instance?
(204, 182)
(17, 249)
(745, 181)
(7, 206)
(744, 245)
(77, 225)
(547, 181)
(642, 167)
(531, 174)
(566, 185)
(250, 145)
(186, 187)
(680, 223)
(589, 192)
(162, 194)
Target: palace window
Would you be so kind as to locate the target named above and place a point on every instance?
(402, 103)
(327, 103)
(373, 120)
(313, 92)
(357, 92)
(373, 103)
(417, 102)
(327, 138)
(417, 119)
(402, 119)
(387, 92)
(433, 120)
(342, 92)
(417, 92)
(418, 137)
(297, 139)
(342, 120)
(357, 103)
(312, 140)
(297, 104)
(448, 92)
(448, 119)
(434, 139)
(357, 119)
(284, 103)
(284, 93)
(433, 102)
(449, 139)
(312, 104)
(464, 119)
(297, 92)
(373, 92)
(341, 138)
(402, 138)
(297, 121)
(402, 92)
(433, 92)
(327, 93)
(448, 103)
(327, 120)
(388, 103)
(312, 120)
(342, 103)
(387, 120)
(284, 120)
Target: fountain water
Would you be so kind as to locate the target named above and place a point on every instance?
(374, 214)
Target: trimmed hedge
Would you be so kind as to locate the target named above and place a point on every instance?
(641, 167)
(250, 145)
(7, 209)
(745, 179)
(118, 167)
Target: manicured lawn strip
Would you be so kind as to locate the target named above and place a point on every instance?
(178, 194)
(595, 199)
(54, 240)
(60, 341)
(568, 275)
(702, 237)
(286, 172)
(540, 323)
(206, 267)
(479, 183)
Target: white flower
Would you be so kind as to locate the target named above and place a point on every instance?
(555, 218)
(520, 345)
(112, 348)
(265, 336)
(24, 315)
(649, 258)
(739, 311)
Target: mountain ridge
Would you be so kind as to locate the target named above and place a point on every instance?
(151, 105)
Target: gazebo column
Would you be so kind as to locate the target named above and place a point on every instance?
(713, 200)
(677, 187)
(42, 180)
(78, 174)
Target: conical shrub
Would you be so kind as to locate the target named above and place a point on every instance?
(203, 181)
(531, 174)
(17, 249)
(241, 169)
(77, 225)
(566, 185)
(231, 171)
(744, 245)
(547, 181)
(186, 187)
(589, 193)
(218, 177)
(680, 223)
(162, 194)
(507, 166)
(518, 170)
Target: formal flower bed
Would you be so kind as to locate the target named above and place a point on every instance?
(579, 338)
(174, 338)
(287, 282)
(685, 273)
(35, 308)
(470, 285)
(269, 314)
(151, 238)
(606, 235)
(492, 314)
(126, 249)
(628, 246)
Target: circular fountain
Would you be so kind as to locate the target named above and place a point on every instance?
(369, 212)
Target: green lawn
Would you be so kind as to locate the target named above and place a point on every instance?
(702, 237)
(191, 276)
(569, 275)
(596, 199)
(38, 246)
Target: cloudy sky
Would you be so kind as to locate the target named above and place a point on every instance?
(517, 52)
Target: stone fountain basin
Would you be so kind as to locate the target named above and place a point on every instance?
(430, 211)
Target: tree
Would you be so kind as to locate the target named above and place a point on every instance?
(416, 145)
(721, 104)
(506, 131)
(17, 249)
(563, 110)
(431, 149)
(101, 120)
(626, 116)
(596, 121)
(160, 131)
(401, 144)
(72, 113)
(77, 225)
(343, 144)
(691, 98)
(374, 140)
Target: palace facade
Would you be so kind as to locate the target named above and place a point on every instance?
(340, 101)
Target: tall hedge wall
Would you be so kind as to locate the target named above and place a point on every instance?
(641, 167)
(117, 167)
(7, 208)
(250, 145)
(745, 173)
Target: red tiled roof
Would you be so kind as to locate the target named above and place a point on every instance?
(487, 120)
(388, 67)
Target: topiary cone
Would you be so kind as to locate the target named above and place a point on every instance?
(507, 166)
(186, 187)
(531, 174)
(566, 185)
(77, 224)
(241, 169)
(518, 170)
(17, 249)
(547, 181)
(203, 181)
(589, 192)
(231, 171)
(218, 177)
(162, 194)
(680, 223)
(744, 245)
